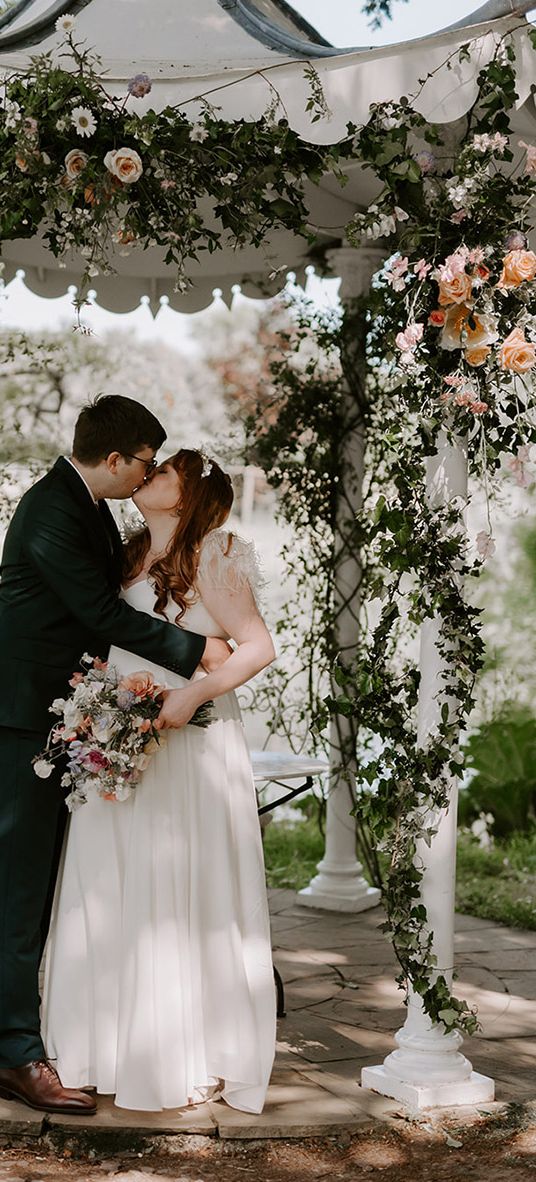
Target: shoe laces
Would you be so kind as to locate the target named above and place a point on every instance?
(48, 1069)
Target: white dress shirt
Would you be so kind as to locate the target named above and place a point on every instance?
(82, 478)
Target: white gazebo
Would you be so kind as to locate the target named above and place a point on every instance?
(241, 55)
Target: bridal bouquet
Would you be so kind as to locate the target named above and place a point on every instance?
(106, 732)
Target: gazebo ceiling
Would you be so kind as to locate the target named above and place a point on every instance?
(239, 50)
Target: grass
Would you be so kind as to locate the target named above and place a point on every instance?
(497, 884)
(291, 853)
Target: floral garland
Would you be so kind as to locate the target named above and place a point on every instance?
(451, 346)
(92, 175)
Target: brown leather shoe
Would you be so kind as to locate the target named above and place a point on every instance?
(38, 1085)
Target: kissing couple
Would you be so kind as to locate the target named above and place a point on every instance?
(158, 975)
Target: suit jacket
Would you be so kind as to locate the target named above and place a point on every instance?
(60, 579)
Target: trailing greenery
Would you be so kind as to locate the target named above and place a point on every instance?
(451, 343)
(93, 175)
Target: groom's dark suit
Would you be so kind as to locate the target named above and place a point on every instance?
(61, 571)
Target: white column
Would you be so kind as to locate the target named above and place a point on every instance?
(339, 884)
(428, 1069)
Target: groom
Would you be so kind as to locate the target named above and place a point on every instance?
(59, 598)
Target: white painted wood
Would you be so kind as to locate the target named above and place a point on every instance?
(339, 884)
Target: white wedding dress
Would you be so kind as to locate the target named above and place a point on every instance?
(159, 981)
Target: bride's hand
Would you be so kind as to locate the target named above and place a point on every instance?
(179, 707)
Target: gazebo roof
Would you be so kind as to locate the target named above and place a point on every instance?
(237, 52)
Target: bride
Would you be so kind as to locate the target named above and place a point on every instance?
(159, 982)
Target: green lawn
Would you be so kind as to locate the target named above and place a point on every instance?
(498, 884)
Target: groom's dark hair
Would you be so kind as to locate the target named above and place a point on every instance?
(114, 423)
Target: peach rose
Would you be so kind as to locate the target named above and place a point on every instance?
(516, 353)
(75, 162)
(464, 330)
(21, 163)
(125, 237)
(478, 355)
(456, 290)
(141, 684)
(125, 164)
(518, 267)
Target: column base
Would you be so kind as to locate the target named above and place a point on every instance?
(475, 1089)
(351, 897)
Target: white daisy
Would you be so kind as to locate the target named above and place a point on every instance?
(65, 24)
(198, 133)
(83, 121)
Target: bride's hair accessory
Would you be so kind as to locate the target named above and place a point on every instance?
(207, 464)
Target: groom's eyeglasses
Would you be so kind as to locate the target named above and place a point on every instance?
(150, 465)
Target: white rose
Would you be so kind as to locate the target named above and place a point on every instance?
(75, 161)
(125, 164)
(43, 768)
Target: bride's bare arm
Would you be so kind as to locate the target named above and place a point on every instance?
(237, 614)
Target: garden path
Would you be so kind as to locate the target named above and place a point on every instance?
(342, 1009)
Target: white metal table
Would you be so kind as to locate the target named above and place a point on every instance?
(279, 766)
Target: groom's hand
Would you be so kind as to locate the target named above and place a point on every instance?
(216, 653)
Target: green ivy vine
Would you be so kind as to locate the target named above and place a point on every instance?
(450, 328)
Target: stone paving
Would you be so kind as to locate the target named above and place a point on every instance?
(343, 1008)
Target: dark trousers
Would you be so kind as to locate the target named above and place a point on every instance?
(32, 823)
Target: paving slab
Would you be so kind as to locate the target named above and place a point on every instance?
(494, 940)
(295, 1107)
(310, 991)
(18, 1119)
(498, 960)
(521, 984)
(349, 1089)
(195, 1119)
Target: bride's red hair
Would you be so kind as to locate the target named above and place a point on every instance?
(204, 505)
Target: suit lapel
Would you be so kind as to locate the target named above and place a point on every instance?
(104, 538)
(114, 538)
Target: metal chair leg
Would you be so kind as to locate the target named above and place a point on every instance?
(280, 992)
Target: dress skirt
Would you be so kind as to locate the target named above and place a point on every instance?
(159, 981)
